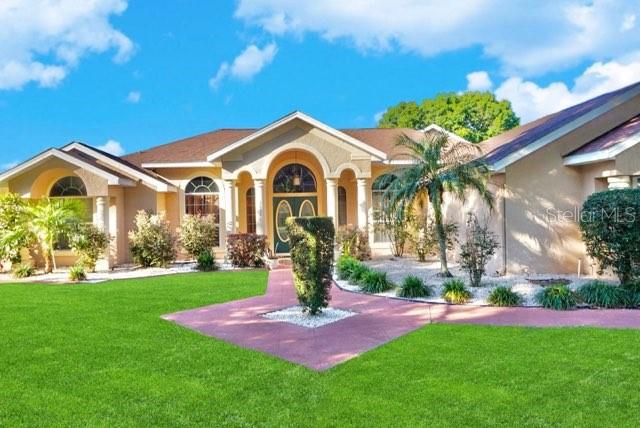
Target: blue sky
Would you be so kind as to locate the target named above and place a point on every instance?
(143, 73)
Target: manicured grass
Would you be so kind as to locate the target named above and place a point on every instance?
(99, 355)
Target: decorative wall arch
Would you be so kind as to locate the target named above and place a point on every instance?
(349, 165)
(266, 164)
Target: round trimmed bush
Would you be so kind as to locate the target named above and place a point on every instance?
(603, 295)
(375, 282)
(504, 296)
(558, 297)
(412, 287)
(455, 292)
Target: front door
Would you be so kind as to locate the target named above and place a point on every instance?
(290, 206)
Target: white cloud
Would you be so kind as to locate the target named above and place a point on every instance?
(246, 65)
(42, 40)
(378, 116)
(113, 147)
(9, 165)
(134, 97)
(551, 35)
(479, 81)
(531, 101)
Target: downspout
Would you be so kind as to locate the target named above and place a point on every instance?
(504, 229)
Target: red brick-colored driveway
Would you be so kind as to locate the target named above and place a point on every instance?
(378, 321)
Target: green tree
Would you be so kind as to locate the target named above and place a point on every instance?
(50, 220)
(474, 116)
(439, 165)
(14, 228)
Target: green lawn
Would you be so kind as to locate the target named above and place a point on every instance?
(99, 355)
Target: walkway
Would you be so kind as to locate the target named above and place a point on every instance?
(379, 320)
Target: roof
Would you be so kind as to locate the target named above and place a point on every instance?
(509, 146)
(616, 137)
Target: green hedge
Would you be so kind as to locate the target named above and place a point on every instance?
(311, 247)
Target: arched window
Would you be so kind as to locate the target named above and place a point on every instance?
(202, 199)
(342, 206)
(378, 188)
(251, 210)
(71, 186)
(294, 178)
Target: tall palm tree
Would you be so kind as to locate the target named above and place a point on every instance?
(438, 165)
(50, 219)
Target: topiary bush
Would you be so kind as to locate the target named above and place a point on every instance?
(77, 273)
(199, 234)
(610, 224)
(207, 262)
(603, 295)
(246, 249)
(480, 244)
(413, 287)
(558, 297)
(345, 266)
(504, 296)
(23, 270)
(152, 243)
(454, 291)
(89, 242)
(311, 247)
(375, 282)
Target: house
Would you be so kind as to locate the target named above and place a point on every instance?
(251, 180)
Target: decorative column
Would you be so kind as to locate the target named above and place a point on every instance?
(362, 203)
(620, 182)
(101, 214)
(332, 199)
(258, 185)
(230, 205)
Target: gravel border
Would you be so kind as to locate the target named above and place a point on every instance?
(294, 315)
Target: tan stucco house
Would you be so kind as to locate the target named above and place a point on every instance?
(251, 180)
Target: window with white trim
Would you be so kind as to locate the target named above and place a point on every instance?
(202, 198)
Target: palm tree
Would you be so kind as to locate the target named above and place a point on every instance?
(438, 165)
(51, 219)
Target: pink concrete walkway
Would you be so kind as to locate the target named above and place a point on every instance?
(379, 320)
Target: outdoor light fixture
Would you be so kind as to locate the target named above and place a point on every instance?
(296, 174)
(296, 179)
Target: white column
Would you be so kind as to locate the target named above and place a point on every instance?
(332, 199)
(621, 182)
(258, 185)
(230, 205)
(362, 203)
(100, 219)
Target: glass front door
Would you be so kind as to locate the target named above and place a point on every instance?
(290, 206)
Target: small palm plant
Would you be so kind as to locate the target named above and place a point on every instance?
(438, 165)
(50, 219)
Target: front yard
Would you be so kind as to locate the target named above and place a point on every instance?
(99, 354)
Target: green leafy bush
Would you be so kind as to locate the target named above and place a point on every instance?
(480, 244)
(23, 270)
(610, 224)
(454, 291)
(152, 243)
(358, 272)
(199, 234)
(354, 242)
(246, 249)
(206, 262)
(603, 295)
(89, 242)
(345, 266)
(375, 282)
(558, 297)
(77, 273)
(311, 246)
(412, 287)
(423, 239)
(15, 233)
(504, 296)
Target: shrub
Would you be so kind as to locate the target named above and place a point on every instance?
(375, 282)
(77, 273)
(23, 271)
(423, 240)
(480, 244)
(603, 295)
(412, 287)
(504, 296)
(311, 246)
(610, 224)
(354, 242)
(152, 243)
(394, 222)
(345, 266)
(198, 234)
(15, 234)
(454, 291)
(206, 262)
(89, 242)
(358, 272)
(246, 249)
(558, 297)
